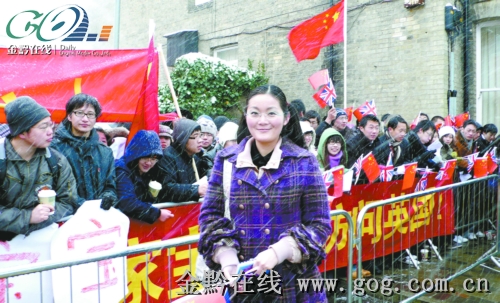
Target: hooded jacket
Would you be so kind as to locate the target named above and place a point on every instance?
(322, 145)
(176, 166)
(134, 198)
(22, 181)
(91, 161)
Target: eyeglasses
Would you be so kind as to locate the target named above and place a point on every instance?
(150, 159)
(46, 125)
(80, 114)
(208, 135)
(257, 115)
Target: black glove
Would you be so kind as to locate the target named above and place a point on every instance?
(107, 202)
(428, 155)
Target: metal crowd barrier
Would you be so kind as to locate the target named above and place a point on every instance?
(476, 209)
(147, 248)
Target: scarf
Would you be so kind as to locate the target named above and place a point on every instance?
(394, 146)
(335, 160)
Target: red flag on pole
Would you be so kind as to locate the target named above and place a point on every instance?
(368, 108)
(319, 100)
(337, 189)
(147, 113)
(460, 119)
(409, 178)
(319, 78)
(327, 28)
(480, 167)
(492, 160)
(349, 111)
(370, 166)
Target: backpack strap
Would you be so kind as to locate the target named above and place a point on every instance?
(50, 156)
(53, 162)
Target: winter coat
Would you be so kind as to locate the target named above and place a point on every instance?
(481, 143)
(462, 149)
(177, 167)
(382, 151)
(417, 152)
(288, 199)
(322, 146)
(22, 182)
(134, 198)
(92, 163)
(359, 145)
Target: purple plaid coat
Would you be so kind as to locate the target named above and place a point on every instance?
(288, 201)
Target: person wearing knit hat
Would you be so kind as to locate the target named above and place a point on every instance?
(23, 113)
(165, 136)
(336, 118)
(446, 137)
(29, 158)
(208, 131)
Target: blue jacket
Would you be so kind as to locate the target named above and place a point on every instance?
(134, 198)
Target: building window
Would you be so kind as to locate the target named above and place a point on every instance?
(200, 2)
(488, 72)
(229, 54)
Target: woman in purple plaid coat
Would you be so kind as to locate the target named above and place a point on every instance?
(278, 205)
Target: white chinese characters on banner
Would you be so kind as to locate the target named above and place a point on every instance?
(24, 250)
(89, 231)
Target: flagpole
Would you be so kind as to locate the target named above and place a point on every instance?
(345, 53)
(174, 97)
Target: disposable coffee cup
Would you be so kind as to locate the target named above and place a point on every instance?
(154, 188)
(47, 197)
(425, 254)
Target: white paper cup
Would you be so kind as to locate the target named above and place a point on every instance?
(47, 197)
(425, 254)
(154, 188)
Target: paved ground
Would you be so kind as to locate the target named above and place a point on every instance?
(453, 261)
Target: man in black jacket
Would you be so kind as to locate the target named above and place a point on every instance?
(337, 119)
(489, 133)
(365, 141)
(393, 142)
(176, 165)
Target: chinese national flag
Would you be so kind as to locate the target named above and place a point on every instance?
(338, 182)
(327, 28)
(349, 111)
(492, 163)
(409, 178)
(481, 167)
(147, 113)
(460, 119)
(319, 78)
(370, 166)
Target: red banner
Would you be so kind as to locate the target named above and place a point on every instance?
(114, 77)
(391, 228)
(171, 263)
(386, 229)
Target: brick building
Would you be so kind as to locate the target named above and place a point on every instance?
(401, 57)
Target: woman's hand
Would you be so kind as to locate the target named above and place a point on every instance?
(264, 261)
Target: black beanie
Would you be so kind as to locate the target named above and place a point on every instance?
(23, 113)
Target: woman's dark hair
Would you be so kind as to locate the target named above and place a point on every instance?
(79, 100)
(326, 155)
(291, 130)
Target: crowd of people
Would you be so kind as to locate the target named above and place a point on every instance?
(277, 210)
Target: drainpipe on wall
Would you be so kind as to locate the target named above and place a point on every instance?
(330, 54)
(468, 47)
